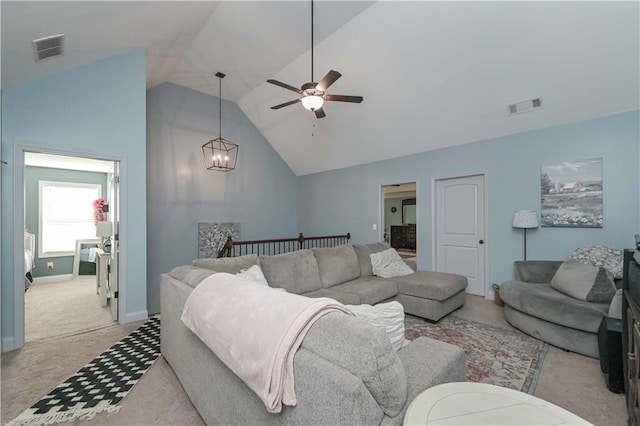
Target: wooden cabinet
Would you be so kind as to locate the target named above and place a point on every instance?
(631, 335)
(403, 237)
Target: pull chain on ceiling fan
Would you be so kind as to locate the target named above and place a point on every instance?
(314, 94)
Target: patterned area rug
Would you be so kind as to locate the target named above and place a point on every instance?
(100, 385)
(494, 355)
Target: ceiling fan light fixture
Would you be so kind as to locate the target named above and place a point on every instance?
(312, 102)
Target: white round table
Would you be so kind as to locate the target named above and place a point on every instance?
(468, 403)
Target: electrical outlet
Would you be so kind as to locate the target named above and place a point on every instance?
(49, 265)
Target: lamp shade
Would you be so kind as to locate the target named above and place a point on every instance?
(104, 229)
(525, 219)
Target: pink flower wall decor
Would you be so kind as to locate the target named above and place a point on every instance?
(98, 213)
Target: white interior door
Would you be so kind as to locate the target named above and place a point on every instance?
(114, 208)
(460, 233)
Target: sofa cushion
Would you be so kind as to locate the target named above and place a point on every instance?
(231, 265)
(609, 258)
(431, 285)
(190, 275)
(584, 282)
(370, 289)
(542, 301)
(341, 296)
(389, 264)
(388, 316)
(337, 264)
(297, 271)
(364, 351)
(364, 256)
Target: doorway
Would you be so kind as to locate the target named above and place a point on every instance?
(400, 219)
(459, 222)
(72, 278)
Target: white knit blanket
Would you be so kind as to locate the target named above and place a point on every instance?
(255, 330)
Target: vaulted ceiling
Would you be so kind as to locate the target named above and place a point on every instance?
(433, 74)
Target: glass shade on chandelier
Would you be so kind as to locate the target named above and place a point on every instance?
(220, 154)
(312, 102)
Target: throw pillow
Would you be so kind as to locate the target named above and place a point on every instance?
(388, 316)
(254, 274)
(584, 282)
(609, 258)
(615, 308)
(389, 264)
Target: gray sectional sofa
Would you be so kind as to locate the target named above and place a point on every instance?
(344, 273)
(345, 370)
(533, 306)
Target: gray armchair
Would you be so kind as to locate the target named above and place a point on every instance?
(532, 306)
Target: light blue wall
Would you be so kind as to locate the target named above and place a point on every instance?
(348, 199)
(97, 110)
(32, 175)
(260, 193)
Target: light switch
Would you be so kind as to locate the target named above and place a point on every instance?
(375, 226)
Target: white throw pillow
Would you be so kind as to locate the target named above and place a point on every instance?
(254, 274)
(389, 264)
(389, 316)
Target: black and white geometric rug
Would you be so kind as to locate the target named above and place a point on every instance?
(100, 385)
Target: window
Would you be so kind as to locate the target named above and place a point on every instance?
(66, 215)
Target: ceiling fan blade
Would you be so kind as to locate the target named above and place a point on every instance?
(295, 101)
(284, 85)
(328, 80)
(319, 113)
(343, 98)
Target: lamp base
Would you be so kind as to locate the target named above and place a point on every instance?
(106, 246)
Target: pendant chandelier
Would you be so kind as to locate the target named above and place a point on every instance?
(219, 153)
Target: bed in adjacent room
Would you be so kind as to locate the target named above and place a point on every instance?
(29, 258)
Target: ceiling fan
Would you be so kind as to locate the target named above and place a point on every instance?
(314, 94)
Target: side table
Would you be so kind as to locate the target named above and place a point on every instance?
(102, 275)
(468, 403)
(610, 346)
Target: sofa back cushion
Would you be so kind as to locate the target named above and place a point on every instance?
(584, 282)
(365, 351)
(231, 265)
(190, 275)
(364, 252)
(297, 271)
(337, 265)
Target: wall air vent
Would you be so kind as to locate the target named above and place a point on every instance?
(48, 47)
(526, 105)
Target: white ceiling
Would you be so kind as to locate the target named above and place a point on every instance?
(433, 74)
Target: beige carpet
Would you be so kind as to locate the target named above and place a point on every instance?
(63, 308)
(571, 381)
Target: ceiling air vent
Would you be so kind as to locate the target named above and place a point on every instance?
(526, 105)
(48, 47)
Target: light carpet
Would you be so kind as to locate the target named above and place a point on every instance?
(494, 355)
(101, 384)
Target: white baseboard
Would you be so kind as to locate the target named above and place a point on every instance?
(135, 316)
(8, 344)
(53, 278)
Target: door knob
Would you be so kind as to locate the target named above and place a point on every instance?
(481, 241)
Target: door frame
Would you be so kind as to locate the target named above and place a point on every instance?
(488, 291)
(19, 226)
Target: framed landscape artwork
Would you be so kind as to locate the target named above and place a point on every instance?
(212, 236)
(571, 194)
